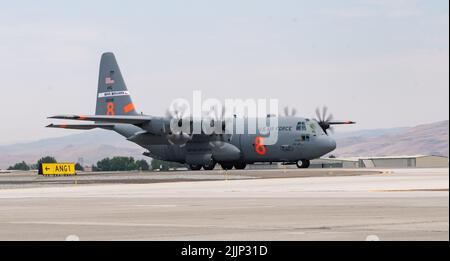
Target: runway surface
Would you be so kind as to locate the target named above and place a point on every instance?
(400, 204)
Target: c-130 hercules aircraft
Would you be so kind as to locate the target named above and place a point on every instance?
(299, 139)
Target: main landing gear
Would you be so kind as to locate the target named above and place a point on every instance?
(227, 165)
(195, 167)
(303, 164)
(210, 166)
(236, 165)
(224, 165)
(240, 165)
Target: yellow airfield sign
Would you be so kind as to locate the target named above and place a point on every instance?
(58, 169)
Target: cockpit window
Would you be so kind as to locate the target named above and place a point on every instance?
(301, 126)
(305, 137)
(316, 128)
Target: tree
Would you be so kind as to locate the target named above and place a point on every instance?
(156, 164)
(19, 166)
(46, 159)
(128, 163)
(94, 168)
(79, 167)
(142, 165)
(103, 165)
(116, 164)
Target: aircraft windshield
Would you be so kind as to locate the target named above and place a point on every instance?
(315, 127)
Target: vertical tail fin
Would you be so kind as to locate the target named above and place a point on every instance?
(113, 97)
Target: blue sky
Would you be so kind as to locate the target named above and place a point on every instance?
(382, 63)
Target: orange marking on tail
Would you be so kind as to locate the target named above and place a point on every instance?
(110, 108)
(81, 117)
(129, 107)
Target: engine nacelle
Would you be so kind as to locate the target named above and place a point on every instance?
(157, 127)
(224, 152)
(199, 159)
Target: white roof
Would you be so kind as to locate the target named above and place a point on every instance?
(381, 157)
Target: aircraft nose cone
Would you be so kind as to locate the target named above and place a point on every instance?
(332, 144)
(325, 145)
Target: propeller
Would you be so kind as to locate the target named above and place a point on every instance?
(218, 122)
(217, 115)
(326, 120)
(289, 113)
(176, 114)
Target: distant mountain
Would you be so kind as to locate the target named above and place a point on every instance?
(368, 133)
(91, 146)
(429, 139)
(87, 147)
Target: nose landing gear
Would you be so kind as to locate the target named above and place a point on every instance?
(303, 164)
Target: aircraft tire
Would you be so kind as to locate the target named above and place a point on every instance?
(211, 166)
(226, 166)
(195, 167)
(303, 164)
(240, 165)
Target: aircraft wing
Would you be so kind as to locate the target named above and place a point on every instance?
(136, 120)
(81, 126)
(341, 122)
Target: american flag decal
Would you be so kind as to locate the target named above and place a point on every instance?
(109, 81)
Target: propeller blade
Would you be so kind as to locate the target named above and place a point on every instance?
(182, 110)
(329, 118)
(326, 121)
(168, 114)
(324, 113)
(331, 129)
(318, 115)
(286, 111)
(215, 113)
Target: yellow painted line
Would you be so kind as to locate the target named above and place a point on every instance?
(409, 190)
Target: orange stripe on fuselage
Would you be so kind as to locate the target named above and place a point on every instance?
(129, 107)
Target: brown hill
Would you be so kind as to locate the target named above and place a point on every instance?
(429, 139)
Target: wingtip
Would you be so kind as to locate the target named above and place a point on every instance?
(54, 117)
(64, 116)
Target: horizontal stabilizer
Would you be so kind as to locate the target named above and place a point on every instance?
(81, 126)
(106, 118)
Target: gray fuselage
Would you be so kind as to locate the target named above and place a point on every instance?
(298, 139)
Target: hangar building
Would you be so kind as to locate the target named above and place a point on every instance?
(416, 161)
